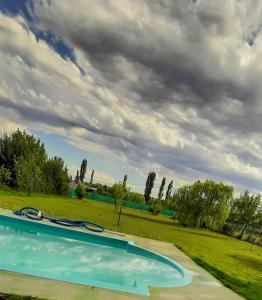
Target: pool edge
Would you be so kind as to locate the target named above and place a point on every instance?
(129, 244)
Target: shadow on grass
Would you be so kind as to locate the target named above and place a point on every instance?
(206, 233)
(144, 217)
(250, 290)
(186, 230)
(249, 261)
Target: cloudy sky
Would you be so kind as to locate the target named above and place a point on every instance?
(136, 86)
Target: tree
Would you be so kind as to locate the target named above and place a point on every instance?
(83, 170)
(117, 192)
(135, 197)
(155, 206)
(5, 175)
(29, 176)
(203, 204)
(77, 178)
(123, 199)
(92, 177)
(161, 189)
(24, 164)
(56, 176)
(17, 146)
(124, 188)
(149, 185)
(246, 211)
(169, 190)
(124, 182)
(80, 191)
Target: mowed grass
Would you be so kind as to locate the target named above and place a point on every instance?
(236, 263)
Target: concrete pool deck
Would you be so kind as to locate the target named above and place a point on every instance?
(204, 285)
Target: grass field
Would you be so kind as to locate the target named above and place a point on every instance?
(236, 263)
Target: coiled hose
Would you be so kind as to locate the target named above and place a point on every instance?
(35, 214)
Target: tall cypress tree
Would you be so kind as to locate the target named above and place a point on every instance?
(124, 182)
(161, 189)
(83, 170)
(169, 190)
(92, 177)
(77, 177)
(123, 199)
(149, 185)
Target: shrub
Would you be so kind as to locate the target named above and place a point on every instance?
(80, 191)
(118, 193)
(155, 207)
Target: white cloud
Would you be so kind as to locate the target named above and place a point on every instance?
(110, 116)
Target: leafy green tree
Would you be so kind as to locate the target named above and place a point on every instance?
(5, 175)
(24, 162)
(29, 176)
(259, 216)
(169, 190)
(246, 211)
(155, 206)
(80, 191)
(203, 204)
(17, 146)
(169, 204)
(56, 176)
(161, 189)
(149, 185)
(118, 193)
(83, 170)
(135, 197)
(92, 177)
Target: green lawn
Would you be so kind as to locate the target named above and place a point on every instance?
(237, 264)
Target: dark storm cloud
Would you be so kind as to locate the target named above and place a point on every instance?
(172, 71)
(49, 118)
(184, 54)
(37, 115)
(250, 158)
(33, 114)
(182, 66)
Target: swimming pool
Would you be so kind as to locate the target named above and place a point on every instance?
(78, 257)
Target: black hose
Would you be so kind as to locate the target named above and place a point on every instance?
(35, 214)
(94, 227)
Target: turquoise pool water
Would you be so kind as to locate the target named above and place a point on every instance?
(62, 254)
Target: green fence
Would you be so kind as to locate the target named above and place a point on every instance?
(167, 212)
(102, 198)
(126, 203)
(71, 193)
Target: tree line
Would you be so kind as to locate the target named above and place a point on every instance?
(209, 205)
(206, 204)
(24, 165)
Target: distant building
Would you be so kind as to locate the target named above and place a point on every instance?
(72, 184)
(90, 189)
